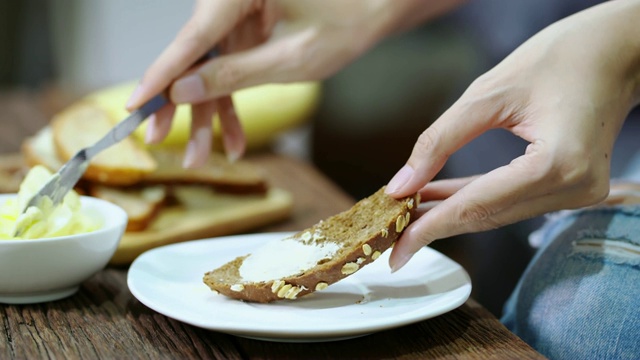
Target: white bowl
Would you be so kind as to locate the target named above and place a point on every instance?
(47, 269)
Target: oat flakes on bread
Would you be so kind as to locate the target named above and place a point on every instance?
(82, 125)
(317, 257)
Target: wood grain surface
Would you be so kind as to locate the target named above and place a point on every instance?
(103, 320)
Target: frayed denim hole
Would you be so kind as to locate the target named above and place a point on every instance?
(616, 251)
(617, 223)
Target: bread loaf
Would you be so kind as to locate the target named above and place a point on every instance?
(12, 171)
(40, 150)
(239, 177)
(141, 204)
(143, 180)
(82, 125)
(319, 256)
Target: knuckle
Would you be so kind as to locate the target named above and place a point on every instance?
(421, 235)
(192, 37)
(574, 170)
(225, 77)
(482, 84)
(474, 215)
(485, 90)
(427, 148)
(470, 213)
(428, 140)
(569, 170)
(593, 187)
(599, 190)
(537, 165)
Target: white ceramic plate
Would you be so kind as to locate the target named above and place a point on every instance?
(168, 280)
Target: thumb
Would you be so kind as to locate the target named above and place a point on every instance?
(462, 122)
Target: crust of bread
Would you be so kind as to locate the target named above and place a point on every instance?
(82, 125)
(123, 172)
(40, 150)
(239, 177)
(141, 204)
(12, 171)
(227, 279)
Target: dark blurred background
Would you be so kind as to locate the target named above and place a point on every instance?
(370, 114)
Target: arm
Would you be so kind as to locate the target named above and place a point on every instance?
(264, 41)
(567, 91)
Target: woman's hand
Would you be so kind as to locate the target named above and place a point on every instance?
(263, 41)
(228, 26)
(567, 91)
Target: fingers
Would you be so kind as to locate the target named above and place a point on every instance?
(159, 124)
(467, 210)
(211, 20)
(531, 185)
(195, 86)
(442, 189)
(248, 33)
(267, 63)
(211, 23)
(199, 146)
(430, 217)
(232, 134)
(466, 119)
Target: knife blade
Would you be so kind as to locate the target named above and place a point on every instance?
(69, 174)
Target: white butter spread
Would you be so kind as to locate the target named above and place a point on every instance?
(45, 220)
(284, 257)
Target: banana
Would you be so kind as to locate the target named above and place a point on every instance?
(264, 111)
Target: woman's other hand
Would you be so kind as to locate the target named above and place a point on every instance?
(567, 92)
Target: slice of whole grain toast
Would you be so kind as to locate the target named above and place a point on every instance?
(317, 257)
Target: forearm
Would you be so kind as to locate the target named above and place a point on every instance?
(633, 39)
(615, 31)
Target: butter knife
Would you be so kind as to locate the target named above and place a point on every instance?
(69, 174)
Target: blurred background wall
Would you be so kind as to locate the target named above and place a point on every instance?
(26, 51)
(371, 112)
(100, 43)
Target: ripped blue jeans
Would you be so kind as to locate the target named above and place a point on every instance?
(579, 298)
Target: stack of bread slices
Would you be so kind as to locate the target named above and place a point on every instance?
(142, 180)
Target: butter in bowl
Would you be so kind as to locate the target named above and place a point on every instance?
(60, 248)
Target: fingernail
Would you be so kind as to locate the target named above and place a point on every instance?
(150, 134)
(189, 155)
(398, 264)
(135, 96)
(233, 155)
(234, 148)
(188, 89)
(198, 149)
(399, 180)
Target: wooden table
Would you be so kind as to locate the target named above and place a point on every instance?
(103, 320)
